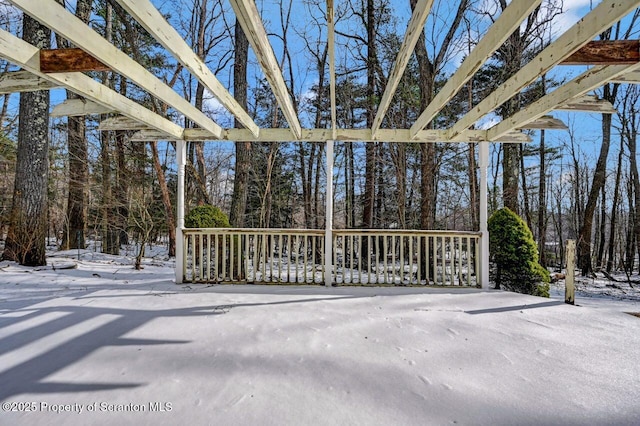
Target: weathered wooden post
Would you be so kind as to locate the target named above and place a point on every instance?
(569, 281)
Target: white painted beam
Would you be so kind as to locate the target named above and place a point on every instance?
(251, 22)
(27, 56)
(70, 27)
(588, 103)
(77, 107)
(323, 135)
(152, 20)
(600, 18)
(547, 122)
(632, 77)
(587, 81)
(497, 34)
(414, 29)
(121, 123)
(23, 81)
(149, 136)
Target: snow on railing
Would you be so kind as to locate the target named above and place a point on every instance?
(360, 257)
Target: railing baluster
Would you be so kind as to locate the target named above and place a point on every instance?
(418, 253)
(394, 259)
(230, 260)
(385, 274)
(336, 244)
(264, 257)
(459, 254)
(469, 259)
(322, 255)
(305, 257)
(401, 248)
(194, 260)
(208, 257)
(410, 259)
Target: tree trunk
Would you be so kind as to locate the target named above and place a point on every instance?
(473, 188)
(614, 212)
(77, 204)
(166, 198)
(510, 169)
(243, 148)
(122, 189)
(603, 228)
(26, 239)
(599, 177)
(542, 203)
(370, 148)
(525, 189)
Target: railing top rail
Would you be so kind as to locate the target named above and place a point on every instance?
(269, 231)
(405, 232)
(319, 232)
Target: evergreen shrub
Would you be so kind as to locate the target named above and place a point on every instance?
(206, 216)
(514, 253)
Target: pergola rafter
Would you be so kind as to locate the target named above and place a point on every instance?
(69, 26)
(585, 82)
(251, 22)
(152, 20)
(600, 18)
(24, 81)
(27, 56)
(414, 29)
(499, 31)
(79, 107)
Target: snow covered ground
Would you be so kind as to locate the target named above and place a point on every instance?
(104, 343)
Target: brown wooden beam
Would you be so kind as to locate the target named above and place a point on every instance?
(606, 52)
(69, 60)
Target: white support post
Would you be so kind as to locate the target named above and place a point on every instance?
(328, 236)
(181, 156)
(484, 213)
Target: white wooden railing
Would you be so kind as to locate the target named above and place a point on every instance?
(359, 257)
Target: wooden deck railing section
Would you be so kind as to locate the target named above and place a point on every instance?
(359, 257)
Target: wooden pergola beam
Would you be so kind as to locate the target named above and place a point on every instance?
(601, 17)
(73, 29)
(414, 29)
(322, 135)
(605, 52)
(152, 20)
(587, 81)
(78, 107)
(24, 81)
(27, 56)
(122, 122)
(546, 122)
(499, 31)
(588, 103)
(632, 77)
(69, 60)
(251, 22)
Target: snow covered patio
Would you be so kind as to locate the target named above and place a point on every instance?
(79, 340)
